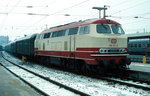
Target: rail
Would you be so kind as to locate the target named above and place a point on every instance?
(45, 78)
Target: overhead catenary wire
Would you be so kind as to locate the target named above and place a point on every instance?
(58, 12)
(45, 7)
(5, 18)
(3, 21)
(141, 16)
(130, 7)
(120, 3)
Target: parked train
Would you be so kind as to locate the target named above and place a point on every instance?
(139, 47)
(93, 44)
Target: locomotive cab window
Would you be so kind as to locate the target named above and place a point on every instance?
(84, 30)
(105, 29)
(117, 29)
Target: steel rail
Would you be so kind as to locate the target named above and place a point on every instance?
(126, 83)
(32, 86)
(50, 80)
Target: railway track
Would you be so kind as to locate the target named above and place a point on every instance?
(64, 87)
(97, 85)
(126, 81)
(37, 89)
(123, 79)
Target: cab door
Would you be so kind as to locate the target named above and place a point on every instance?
(72, 33)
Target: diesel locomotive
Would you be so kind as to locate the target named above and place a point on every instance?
(93, 44)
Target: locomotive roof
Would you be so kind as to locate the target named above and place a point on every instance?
(80, 23)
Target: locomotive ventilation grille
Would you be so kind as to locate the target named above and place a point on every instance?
(112, 50)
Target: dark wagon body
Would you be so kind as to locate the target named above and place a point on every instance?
(25, 46)
(11, 47)
(22, 47)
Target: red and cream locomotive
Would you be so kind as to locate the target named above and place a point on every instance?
(93, 44)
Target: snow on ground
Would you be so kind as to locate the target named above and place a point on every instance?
(94, 87)
(47, 87)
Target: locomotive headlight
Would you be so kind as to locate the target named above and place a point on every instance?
(101, 50)
(122, 50)
(112, 50)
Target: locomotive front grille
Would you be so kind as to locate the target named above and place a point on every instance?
(112, 50)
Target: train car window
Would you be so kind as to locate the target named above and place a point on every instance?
(73, 31)
(148, 45)
(84, 30)
(55, 34)
(129, 45)
(139, 45)
(41, 36)
(117, 29)
(103, 29)
(61, 33)
(47, 35)
(143, 45)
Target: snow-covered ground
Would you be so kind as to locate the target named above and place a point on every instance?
(94, 87)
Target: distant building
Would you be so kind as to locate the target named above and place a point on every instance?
(4, 40)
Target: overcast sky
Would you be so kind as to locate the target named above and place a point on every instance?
(16, 19)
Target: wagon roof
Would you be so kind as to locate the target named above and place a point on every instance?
(27, 37)
(80, 23)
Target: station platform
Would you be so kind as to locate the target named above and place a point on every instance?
(13, 86)
(140, 67)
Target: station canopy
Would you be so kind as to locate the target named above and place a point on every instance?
(139, 35)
